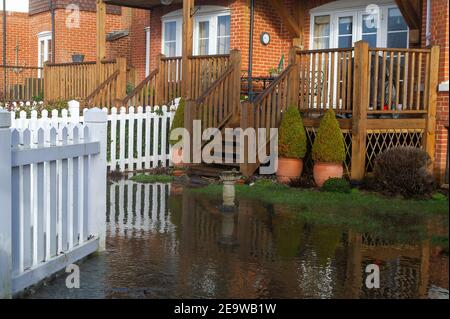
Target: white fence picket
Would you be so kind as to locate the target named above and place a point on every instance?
(46, 189)
(141, 141)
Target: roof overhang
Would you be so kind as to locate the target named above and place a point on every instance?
(140, 4)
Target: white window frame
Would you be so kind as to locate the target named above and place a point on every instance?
(43, 36)
(203, 13)
(178, 38)
(357, 12)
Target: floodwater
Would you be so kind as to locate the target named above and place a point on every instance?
(164, 242)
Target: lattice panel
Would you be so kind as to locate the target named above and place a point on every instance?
(379, 141)
(311, 135)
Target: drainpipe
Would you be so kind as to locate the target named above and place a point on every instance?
(250, 52)
(428, 24)
(4, 49)
(52, 13)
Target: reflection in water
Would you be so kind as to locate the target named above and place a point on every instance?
(163, 243)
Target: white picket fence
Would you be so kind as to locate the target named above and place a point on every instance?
(53, 198)
(138, 139)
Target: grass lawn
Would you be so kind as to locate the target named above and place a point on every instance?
(397, 218)
(152, 178)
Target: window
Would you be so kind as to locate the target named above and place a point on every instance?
(44, 48)
(203, 38)
(369, 29)
(397, 30)
(170, 38)
(334, 26)
(223, 34)
(212, 26)
(345, 32)
(322, 32)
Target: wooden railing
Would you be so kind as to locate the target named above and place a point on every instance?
(204, 71)
(325, 80)
(106, 94)
(65, 81)
(220, 102)
(169, 79)
(399, 80)
(145, 94)
(23, 83)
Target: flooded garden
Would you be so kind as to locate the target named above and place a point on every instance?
(166, 241)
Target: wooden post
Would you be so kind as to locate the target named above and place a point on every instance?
(188, 8)
(236, 61)
(160, 81)
(189, 117)
(293, 84)
(360, 106)
(96, 120)
(122, 78)
(5, 211)
(430, 130)
(101, 31)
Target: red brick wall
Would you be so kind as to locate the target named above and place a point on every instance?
(440, 36)
(140, 20)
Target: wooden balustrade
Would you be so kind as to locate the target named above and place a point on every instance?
(325, 80)
(220, 102)
(145, 93)
(205, 70)
(169, 79)
(399, 80)
(23, 83)
(106, 94)
(65, 81)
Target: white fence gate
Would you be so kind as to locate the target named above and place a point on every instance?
(53, 198)
(138, 139)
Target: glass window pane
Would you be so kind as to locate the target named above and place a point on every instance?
(223, 45)
(371, 39)
(345, 42)
(170, 32)
(322, 26)
(396, 22)
(49, 55)
(345, 25)
(321, 43)
(203, 30)
(397, 40)
(224, 24)
(170, 49)
(370, 23)
(203, 45)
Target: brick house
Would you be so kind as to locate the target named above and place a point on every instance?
(140, 30)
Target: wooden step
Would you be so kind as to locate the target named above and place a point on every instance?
(212, 171)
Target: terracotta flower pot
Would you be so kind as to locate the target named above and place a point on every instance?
(289, 168)
(323, 171)
(177, 173)
(177, 157)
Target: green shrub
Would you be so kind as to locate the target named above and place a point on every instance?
(336, 185)
(329, 142)
(404, 171)
(178, 121)
(291, 135)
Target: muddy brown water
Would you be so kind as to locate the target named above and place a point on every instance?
(163, 242)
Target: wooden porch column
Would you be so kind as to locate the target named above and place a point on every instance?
(360, 106)
(122, 79)
(188, 8)
(101, 31)
(293, 86)
(430, 131)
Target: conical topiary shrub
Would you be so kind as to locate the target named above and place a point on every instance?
(329, 142)
(178, 121)
(291, 135)
(328, 151)
(291, 145)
